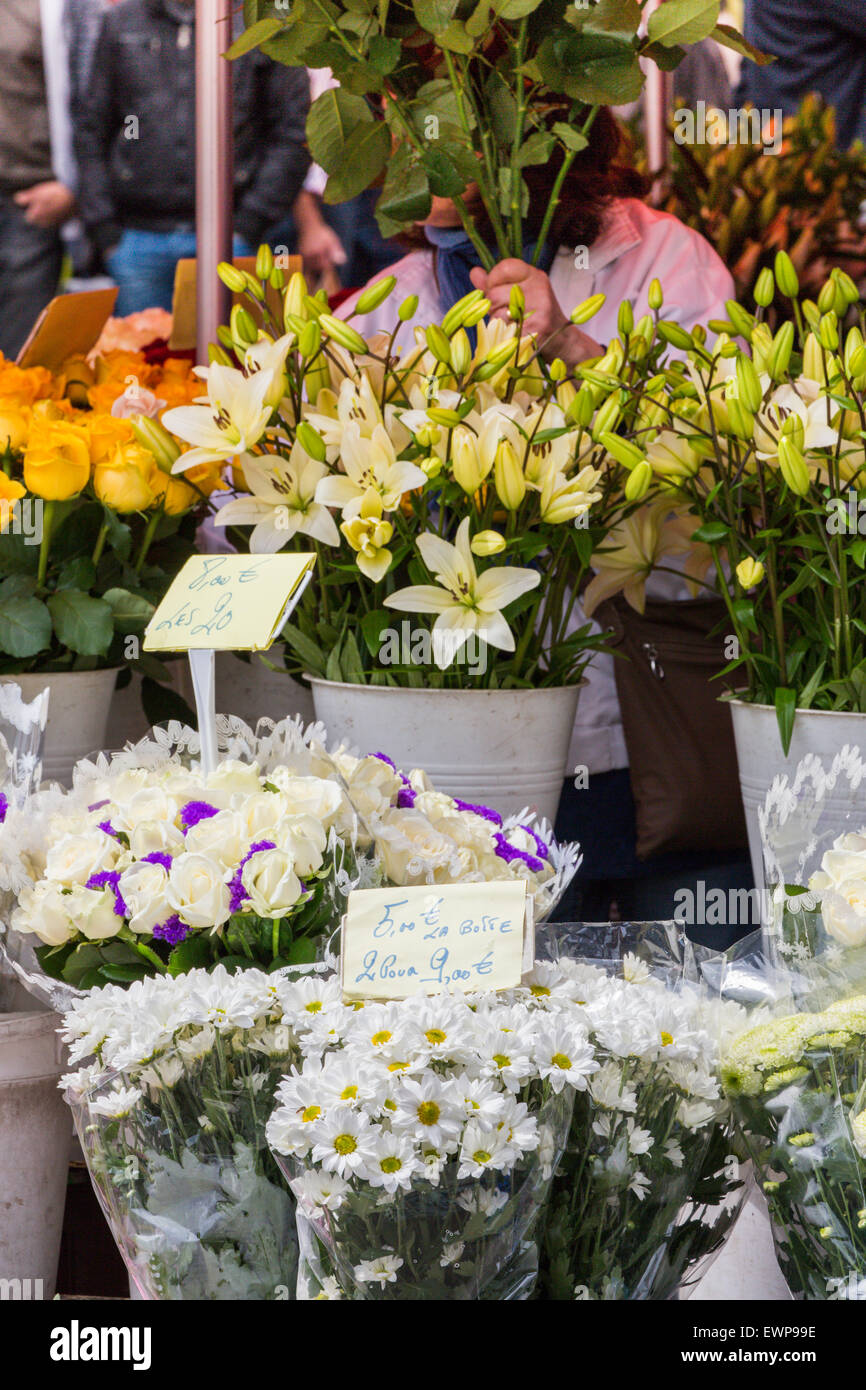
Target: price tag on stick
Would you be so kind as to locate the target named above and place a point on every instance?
(468, 936)
(225, 603)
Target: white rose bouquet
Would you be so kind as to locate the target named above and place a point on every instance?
(799, 1089)
(420, 1138)
(171, 1112)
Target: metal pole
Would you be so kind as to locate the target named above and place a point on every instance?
(214, 160)
(658, 103)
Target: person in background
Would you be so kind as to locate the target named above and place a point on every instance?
(819, 46)
(37, 167)
(604, 241)
(135, 140)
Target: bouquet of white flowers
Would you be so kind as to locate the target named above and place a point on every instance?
(421, 1136)
(148, 866)
(800, 1093)
(171, 1117)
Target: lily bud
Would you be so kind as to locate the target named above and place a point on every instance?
(793, 466)
(741, 420)
(655, 297)
(558, 370)
(608, 416)
(461, 352)
(474, 315)
(296, 293)
(750, 573)
(762, 346)
(828, 332)
(813, 359)
(342, 333)
(582, 408)
(516, 302)
(466, 466)
(587, 309)
(501, 355)
(765, 288)
(232, 278)
(748, 385)
(487, 543)
(846, 286)
(780, 354)
(264, 262)
(743, 322)
(625, 319)
(243, 326)
(441, 416)
(786, 275)
(626, 453)
(310, 339)
(431, 466)
(826, 297)
(675, 334)
(408, 308)
(153, 435)
(637, 484)
(215, 353)
(508, 476)
(438, 343)
(454, 318)
(374, 295)
(311, 441)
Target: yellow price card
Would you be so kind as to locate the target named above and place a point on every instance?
(228, 603)
(466, 936)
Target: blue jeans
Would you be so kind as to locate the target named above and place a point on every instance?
(143, 264)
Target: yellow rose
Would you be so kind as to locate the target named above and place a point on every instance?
(10, 491)
(14, 424)
(22, 386)
(122, 482)
(56, 460)
(105, 434)
(176, 495)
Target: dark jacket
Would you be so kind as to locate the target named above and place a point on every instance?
(135, 128)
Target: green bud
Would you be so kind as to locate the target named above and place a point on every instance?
(587, 309)
(765, 288)
(655, 297)
(252, 286)
(826, 297)
(846, 286)
(264, 262)
(277, 279)
(786, 275)
(741, 420)
(224, 334)
(217, 354)
(461, 352)
(558, 370)
(454, 318)
(374, 295)
(741, 320)
(476, 313)
(625, 319)
(311, 441)
(626, 453)
(310, 338)
(793, 467)
(342, 333)
(675, 334)
(748, 385)
(637, 484)
(828, 332)
(438, 343)
(232, 278)
(780, 353)
(608, 416)
(243, 326)
(516, 302)
(442, 416)
(582, 408)
(408, 308)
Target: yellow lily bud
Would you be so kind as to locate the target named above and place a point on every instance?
(477, 312)
(828, 332)
(566, 392)
(408, 308)
(243, 326)
(743, 322)
(626, 453)
(675, 334)
(750, 573)
(765, 288)
(438, 343)
(826, 297)
(487, 543)
(467, 468)
(232, 278)
(508, 476)
(638, 482)
(516, 302)
(793, 467)
(748, 385)
(455, 317)
(655, 297)
(582, 408)
(845, 286)
(502, 354)
(780, 355)
(625, 318)
(215, 353)
(740, 420)
(374, 295)
(813, 359)
(440, 415)
(786, 275)
(461, 352)
(316, 380)
(154, 436)
(342, 333)
(264, 262)
(608, 416)
(587, 309)
(431, 466)
(311, 441)
(762, 346)
(310, 338)
(296, 293)
(557, 370)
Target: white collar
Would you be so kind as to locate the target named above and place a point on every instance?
(619, 233)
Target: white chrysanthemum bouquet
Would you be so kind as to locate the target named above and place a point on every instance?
(421, 1137)
(150, 867)
(645, 1187)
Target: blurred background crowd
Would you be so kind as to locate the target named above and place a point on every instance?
(97, 143)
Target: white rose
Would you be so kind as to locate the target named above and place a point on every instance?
(435, 805)
(410, 845)
(149, 804)
(234, 776)
(419, 781)
(373, 786)
(92, 912)
(260, 812)
(271, 883)
(156, 837)
(42, 911)
(224, 837)
(844, 910)
(74, 858)
(304, 838)
(858, 1132)
(197, 891)
(123, 787)
(143, 888)
(312, 796)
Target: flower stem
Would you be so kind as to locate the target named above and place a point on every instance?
(100, 544)
(147, 540)
(45, 544)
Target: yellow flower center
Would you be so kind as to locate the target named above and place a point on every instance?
(501, 1060)
(391, 1164)
(481, 1156)
(435, 1036)
(560, 1060)
(345, 1144)
(314, 1007)
(428, 1112)
(397, 1066)
(350, 1093)
(389, 1105)
(382, 1036)
(312, 1112)
(667, 1039)
(539, 990)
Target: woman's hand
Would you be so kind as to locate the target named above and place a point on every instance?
(557, 336)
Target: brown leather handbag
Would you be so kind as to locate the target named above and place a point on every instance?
(678, 732)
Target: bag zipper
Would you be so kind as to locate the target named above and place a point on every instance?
(652, 656)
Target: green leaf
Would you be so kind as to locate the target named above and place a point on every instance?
(77, 573)
(683, 21)
(331, 119)
(190, 954)
(130, 610)
(445, 179)
(364, 157)
(311, 655)
(119, 535)
(537, 149)
(744, 611)
(251, 38)
(711, 533)
(83, 624)
(725, 34)
(786, 709)
(333, 670)
(21, 586)
(406, 194)
(350, 660)
(372, 624)
(571, 138)
(384, 54)
(455, 39)
(434, 15)
(302, 951)
(505, 186)
(25, 626)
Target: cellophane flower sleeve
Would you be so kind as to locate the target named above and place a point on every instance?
(651, 1181)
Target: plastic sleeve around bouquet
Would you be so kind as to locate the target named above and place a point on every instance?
(796, 1080)
(813, 831)
(471, 1238)
(652, 1180)
(178, 1159)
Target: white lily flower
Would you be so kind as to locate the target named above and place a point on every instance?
(370, 463)
(281, 503)
(814, 411)
(233, 419)
(466, 603)
(267, 355)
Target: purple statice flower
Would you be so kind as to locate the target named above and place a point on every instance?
(541, 845)
(237, 892)
(173, 931)
(4, 806)
(383, 757)
(194, 811)
(109, 878)
(510, 853)
(406, 795)
(108, 828)
(158, 856)
(98, 805)
(486, 812)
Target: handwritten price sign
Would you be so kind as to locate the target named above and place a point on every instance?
(228, 603)
(467, 936)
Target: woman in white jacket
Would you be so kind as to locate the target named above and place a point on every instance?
(604, 242)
